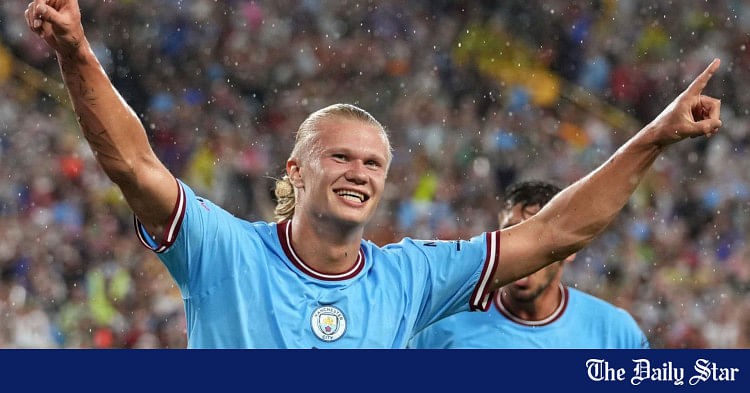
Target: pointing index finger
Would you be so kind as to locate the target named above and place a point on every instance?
(702, 80)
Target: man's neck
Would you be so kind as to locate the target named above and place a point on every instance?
(324, 245)
(543, 306)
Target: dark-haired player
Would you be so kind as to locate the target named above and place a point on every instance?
(536, 311)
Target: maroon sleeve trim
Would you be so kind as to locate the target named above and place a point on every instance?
(175, 221)
(481, 297)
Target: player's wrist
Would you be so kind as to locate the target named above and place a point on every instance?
(655, 135)
(78, 50)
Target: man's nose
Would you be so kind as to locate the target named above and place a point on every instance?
(356, 172)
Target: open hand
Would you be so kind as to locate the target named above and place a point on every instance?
(691, 114)
(58, 22)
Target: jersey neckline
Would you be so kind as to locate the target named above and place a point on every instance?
(544, 322)
(284, 230)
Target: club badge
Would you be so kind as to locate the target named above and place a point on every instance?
(328, 323)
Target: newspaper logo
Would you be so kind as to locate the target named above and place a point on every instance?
(600, 370)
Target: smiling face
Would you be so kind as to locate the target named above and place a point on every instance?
(343, 176)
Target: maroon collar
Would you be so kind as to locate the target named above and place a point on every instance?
(546, 321)
(284, 230)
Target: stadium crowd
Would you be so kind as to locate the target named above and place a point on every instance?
(475, 95)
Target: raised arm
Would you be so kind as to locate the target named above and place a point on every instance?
(110, 126)
(585, 208)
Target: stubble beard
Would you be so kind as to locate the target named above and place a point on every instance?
(528, 298)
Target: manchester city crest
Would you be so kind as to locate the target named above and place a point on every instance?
(328, 323)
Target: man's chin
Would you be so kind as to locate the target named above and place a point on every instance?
(343, 218)
(350, 220)
(525, 295)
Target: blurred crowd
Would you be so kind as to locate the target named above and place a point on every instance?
(475, 95)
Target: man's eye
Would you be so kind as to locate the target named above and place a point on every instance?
(339, 156)
(372, 163)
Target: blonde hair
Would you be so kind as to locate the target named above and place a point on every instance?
(306, 144)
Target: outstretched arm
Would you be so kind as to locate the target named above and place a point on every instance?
(585, 208)
(110, 126)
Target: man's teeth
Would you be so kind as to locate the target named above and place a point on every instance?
(352, 196)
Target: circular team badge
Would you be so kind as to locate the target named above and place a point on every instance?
(328, 323)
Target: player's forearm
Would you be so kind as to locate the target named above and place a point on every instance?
(109, 125)
(584, 209)
(578, 213)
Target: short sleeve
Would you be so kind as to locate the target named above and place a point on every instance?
(631, 333)
(457, 275)
(197, 231)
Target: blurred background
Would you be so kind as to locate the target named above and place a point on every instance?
(475, 95)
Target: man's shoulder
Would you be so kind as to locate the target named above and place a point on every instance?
(595, 306)
(404, 243)
(263, 227)
(209, 207)
(410, 256)
(615, 321)
(425, 246)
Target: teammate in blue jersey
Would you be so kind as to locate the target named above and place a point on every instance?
(310, 280)
(536, 311)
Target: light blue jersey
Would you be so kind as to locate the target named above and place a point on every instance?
(244, 286)
(581, 321)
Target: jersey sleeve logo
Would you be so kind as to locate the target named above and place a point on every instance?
(203, 203)
(328, 323)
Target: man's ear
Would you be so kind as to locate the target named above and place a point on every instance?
(293, 171)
